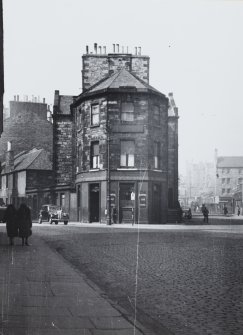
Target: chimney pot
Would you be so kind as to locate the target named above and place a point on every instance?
(17, 97)
(87, 49)
(117, 48)
(114, 48)
(104, 49)
(136, 50)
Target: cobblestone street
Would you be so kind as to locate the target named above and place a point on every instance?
(182, 281)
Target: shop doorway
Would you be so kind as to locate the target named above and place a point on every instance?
(94, 203)
(156, 204)
(127, 203)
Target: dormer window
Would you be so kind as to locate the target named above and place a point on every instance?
(127, 111)
(95, 115)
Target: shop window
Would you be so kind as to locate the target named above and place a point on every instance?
(156, 155)
(95, 158)
(95, 115)
(127, 111)
(127, 153)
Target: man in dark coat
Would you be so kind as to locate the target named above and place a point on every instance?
(24, 223)
(11, 224)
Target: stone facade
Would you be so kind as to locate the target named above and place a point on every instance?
(26, 128)
(64, 154)
(138, 193)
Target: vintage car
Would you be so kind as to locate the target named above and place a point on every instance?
(53, 213)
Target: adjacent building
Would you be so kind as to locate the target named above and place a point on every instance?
(26, 177)
(27, 125)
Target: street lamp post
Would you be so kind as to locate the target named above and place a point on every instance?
(108, 199)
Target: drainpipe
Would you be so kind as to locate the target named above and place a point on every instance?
(108, 169)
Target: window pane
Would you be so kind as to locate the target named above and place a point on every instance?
(156, 162)
(95, 149)
(127, 117)
(127, 111)
(123, 160)
(95, 117)
(130, 160)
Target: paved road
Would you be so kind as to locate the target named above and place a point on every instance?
(180, 280)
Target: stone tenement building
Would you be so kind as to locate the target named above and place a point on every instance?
(229, 172)
(27, 127)
(116, 144)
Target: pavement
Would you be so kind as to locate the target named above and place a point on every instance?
(41, 293)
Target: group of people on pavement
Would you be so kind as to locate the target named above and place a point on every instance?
(18, 223)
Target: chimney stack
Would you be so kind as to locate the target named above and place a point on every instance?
(95, 47)
(44, 100)
(9, 158)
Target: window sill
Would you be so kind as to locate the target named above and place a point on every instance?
(94, 125)
(127, 169)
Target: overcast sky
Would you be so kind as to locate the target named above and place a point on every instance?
(195, 49)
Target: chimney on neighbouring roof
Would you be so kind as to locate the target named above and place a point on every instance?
(95, 47)
(114, 48)
(104, 50)
(117, 48)
(9, 158)
(87, 49)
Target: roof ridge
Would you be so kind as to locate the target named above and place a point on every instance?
(38, 151)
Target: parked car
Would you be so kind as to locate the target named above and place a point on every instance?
(53, 213)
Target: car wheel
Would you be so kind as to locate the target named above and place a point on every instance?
(40, 221)
(56, 222)
(65, 222)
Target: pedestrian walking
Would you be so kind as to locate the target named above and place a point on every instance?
(238, 210)
(205, 213)
(114, 214)
(225, 210)
(11, 223)
(24, 223)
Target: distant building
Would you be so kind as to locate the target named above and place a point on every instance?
(198, 183)
(26, 126)
(229, 171)
(26, 177)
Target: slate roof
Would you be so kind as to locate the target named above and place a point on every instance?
(122, 79)
(230, 162)
(35, 159)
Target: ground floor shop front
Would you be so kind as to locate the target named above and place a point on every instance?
(122, 200)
